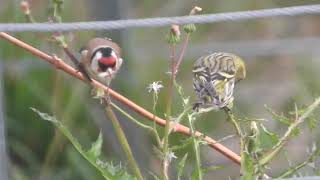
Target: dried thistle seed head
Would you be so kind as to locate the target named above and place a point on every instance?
(214, 77)
(25, 7)
(195, 10)
(175, 30)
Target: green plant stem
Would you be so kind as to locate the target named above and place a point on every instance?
(148, 128)
(195, 147)
(183, 50)
(239, 134)
(276, 149)
(293, 170)
(154, 125)
(30, 18)
(165, 162)
(123, 141)
(179, 118)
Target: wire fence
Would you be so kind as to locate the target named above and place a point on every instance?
(244, 48)
(157, 22)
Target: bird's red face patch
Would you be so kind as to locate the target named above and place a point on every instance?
(108, 61)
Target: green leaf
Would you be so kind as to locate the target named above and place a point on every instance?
(281, 118)
(185, 100)
(107, 170)
(296, 131)
(266, 138)
(195, 174)
(95, 150)
(45, 116)
(261, 138)
(155, 177)
(211, 168)
(181, 166)
(182, 145)
(311, 120)
(312, 123)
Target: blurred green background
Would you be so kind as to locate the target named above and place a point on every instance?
(282, 56)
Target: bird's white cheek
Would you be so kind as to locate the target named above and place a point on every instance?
(108, 74)
(94, 63)
(113, 54)
(103, 74)
(119, 63)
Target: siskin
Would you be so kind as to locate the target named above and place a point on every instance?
(214, 77)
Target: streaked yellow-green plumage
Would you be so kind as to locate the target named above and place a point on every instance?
(214, 77)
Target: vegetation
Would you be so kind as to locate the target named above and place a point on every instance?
(167, 154)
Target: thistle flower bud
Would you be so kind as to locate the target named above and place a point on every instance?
(189, 28)
(173, 37)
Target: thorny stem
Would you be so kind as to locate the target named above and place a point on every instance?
(59, 64)
(275, 150)
(154, 127)
(148, 128)
(123, 141)
(238, 131)
(179, 118)
(234, 123)
(30, 18)
(292, 170)
(195, 143)
(182, 53)
(165, 162)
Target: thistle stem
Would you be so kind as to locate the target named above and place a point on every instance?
(182, 53)
(276, 149)
(123, 141)
(239, 132)
(196, 149)
(293, 170)
(148, 128)
(165, 162)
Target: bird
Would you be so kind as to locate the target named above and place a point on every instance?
(214, 78)
(102, 59)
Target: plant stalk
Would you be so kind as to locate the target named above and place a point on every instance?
(165, 162)
(123, 141)
(276, 149)
(183, 50)
(239, 132)
(196, 149)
